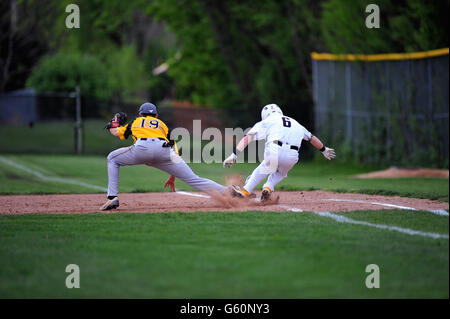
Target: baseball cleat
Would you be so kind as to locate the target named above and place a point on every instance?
(266, 193)
(111, 204)
(238, 191)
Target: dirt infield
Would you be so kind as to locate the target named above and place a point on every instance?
(315, 201)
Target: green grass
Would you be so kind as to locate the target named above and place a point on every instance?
(217, 255)
(221, 255)
(420, 220)
(332, 176)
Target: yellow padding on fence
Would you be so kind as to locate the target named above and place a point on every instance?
(378, 57)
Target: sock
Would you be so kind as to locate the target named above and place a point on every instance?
(111, 197)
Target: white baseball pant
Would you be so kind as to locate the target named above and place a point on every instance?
(278, 161)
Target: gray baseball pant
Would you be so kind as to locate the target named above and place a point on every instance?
(152, 153)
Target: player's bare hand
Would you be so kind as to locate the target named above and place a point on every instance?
(170, 183)
(230, 160)
(329, 153)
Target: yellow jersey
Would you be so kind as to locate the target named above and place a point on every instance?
(144, 127)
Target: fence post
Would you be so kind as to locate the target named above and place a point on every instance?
(78, 124)
(315, 80)
(348, 100)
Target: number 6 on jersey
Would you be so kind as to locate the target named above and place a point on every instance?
(286, 122)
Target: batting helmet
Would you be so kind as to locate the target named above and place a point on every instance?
(148, 108)
(269, 109)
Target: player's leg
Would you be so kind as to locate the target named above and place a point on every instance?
(120, 157)
(268, 166)
(285, 164)
(174, 165)
(256, 177)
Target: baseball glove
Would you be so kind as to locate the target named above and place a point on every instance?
(119, 119)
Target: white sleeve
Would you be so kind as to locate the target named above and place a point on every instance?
(258, 130)
(307, 134)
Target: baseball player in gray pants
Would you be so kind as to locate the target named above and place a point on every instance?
(152, 147)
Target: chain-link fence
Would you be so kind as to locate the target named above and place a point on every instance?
(47, 123)
(384, 109)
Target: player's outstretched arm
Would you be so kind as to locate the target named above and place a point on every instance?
(328, 153)
(244, 142)
(230, 160)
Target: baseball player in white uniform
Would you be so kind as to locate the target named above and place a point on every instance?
(283, 136)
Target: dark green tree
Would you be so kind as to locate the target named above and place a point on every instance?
(63, 72)
(25, 37)
(244, 54)
(405, 26)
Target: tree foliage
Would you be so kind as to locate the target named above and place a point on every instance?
(235, 54)
(405, 26)
(63, 72)
(243, 54)
(126, 74)
(104, 36)
(24, 38)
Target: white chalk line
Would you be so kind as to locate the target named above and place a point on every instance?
(191, 194)
(32, 166)
(433, 211)
(50, 178)
(343, 219)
